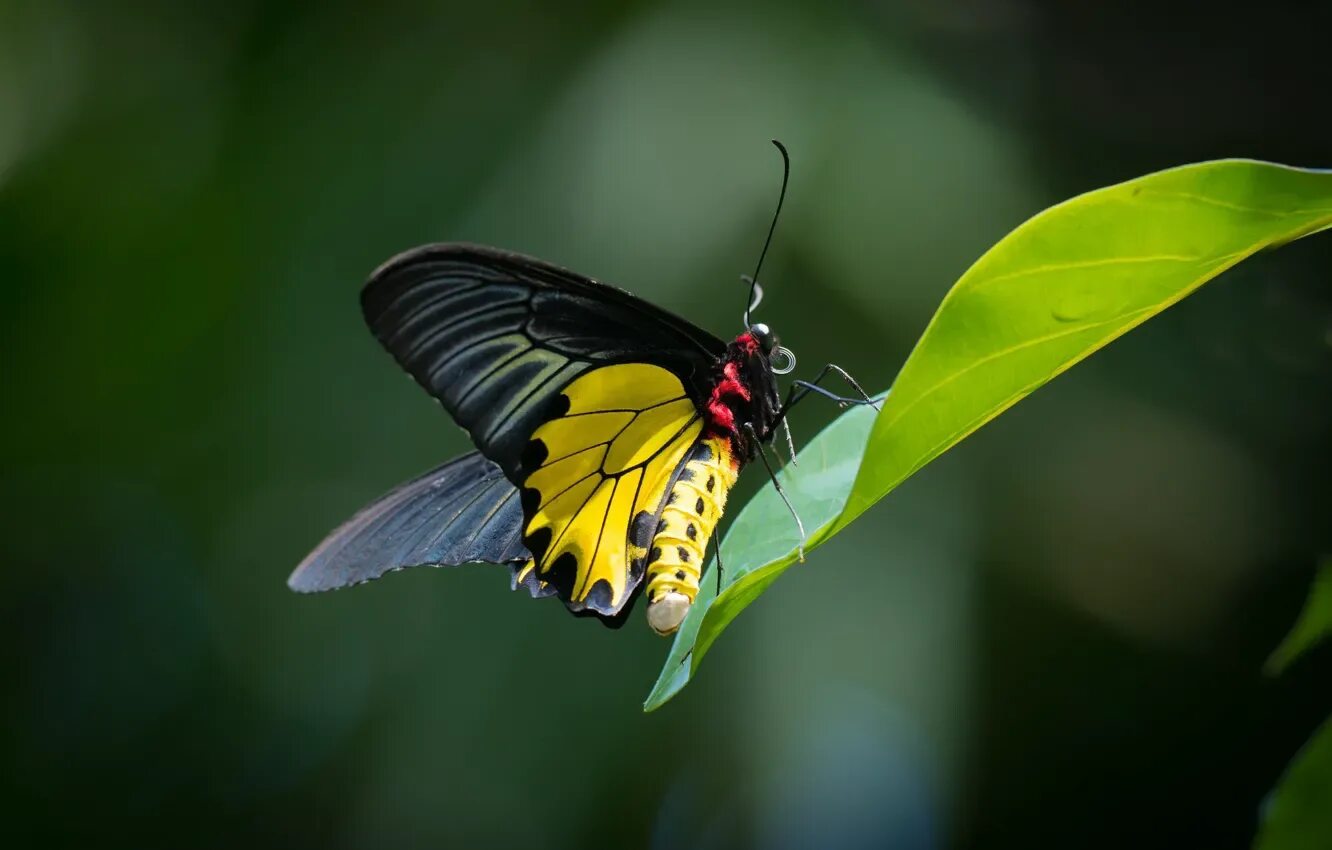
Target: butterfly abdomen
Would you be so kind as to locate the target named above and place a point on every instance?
(693, 506)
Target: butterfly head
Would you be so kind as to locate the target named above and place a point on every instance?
(781, 358)
(764, 337)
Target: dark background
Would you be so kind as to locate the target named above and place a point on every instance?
(1050, 638)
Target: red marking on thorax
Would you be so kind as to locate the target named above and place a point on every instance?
(730, 389)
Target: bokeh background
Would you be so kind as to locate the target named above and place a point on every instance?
(1051, 637)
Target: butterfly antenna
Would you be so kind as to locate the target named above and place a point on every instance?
(750, 304)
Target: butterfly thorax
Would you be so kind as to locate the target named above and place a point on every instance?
(744, 393)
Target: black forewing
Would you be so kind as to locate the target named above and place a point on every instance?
(495, 336)
(461, 512)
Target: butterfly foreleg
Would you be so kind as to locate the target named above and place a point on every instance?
(800, 389)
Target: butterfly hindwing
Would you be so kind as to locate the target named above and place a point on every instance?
(462, 511)
(598, 470)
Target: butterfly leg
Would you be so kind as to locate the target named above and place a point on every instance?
(800, 389)
(753, 435)
(790, 442)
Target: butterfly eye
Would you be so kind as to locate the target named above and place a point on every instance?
(764, 336)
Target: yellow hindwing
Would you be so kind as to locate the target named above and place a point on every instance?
(595, 471)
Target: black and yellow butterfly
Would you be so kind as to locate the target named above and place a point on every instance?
(608, 432)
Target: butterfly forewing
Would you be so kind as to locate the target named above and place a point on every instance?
(494, 336)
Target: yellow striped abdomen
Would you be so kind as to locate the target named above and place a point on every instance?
(693, 507)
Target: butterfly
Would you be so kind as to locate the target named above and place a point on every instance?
(608, 431)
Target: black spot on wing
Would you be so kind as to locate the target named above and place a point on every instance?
(559, 406)
(531, 500)
(562, 574)
(534, 455)
(640, 529)
(537, 543)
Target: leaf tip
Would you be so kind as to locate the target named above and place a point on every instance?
(666, 688)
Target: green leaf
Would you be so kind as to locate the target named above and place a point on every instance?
(1060, 286)
(1298, 813)
(1313, 625)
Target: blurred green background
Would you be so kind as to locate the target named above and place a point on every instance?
(1051, 637)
